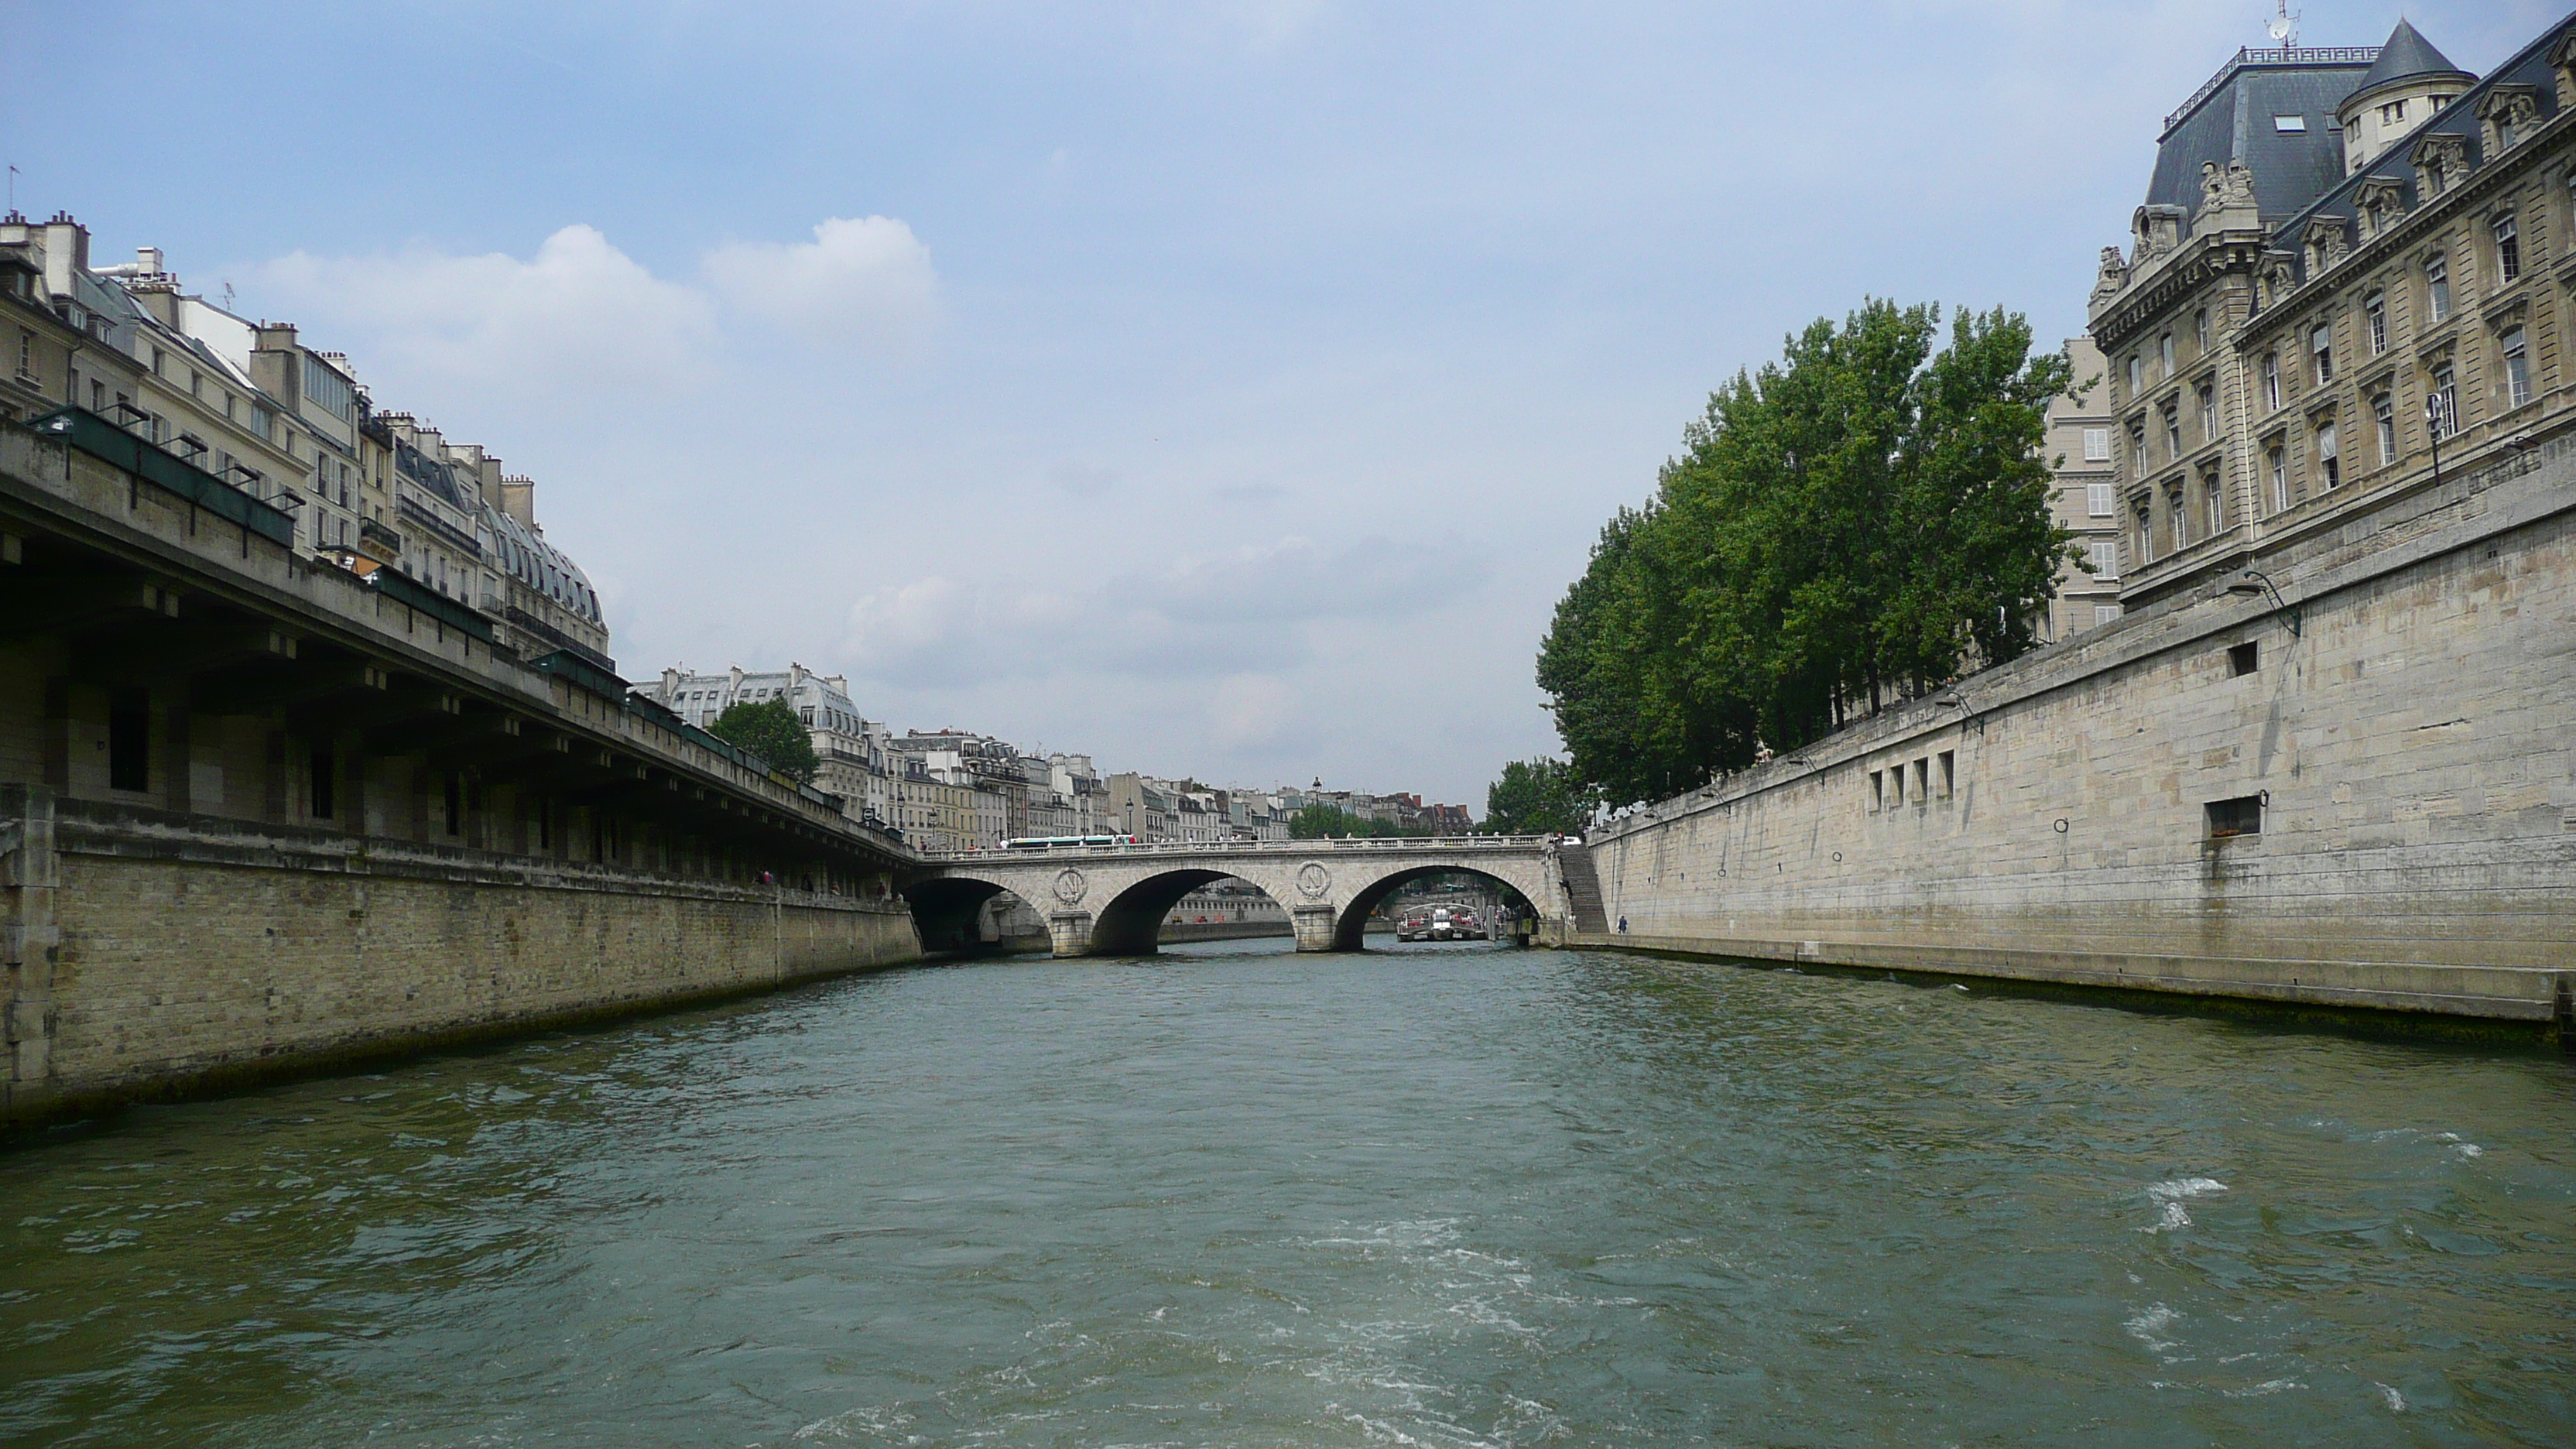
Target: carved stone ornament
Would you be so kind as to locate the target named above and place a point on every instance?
(2213, 188)
(1313, 879)
(2114, 274)
(2382, 203)
(2240, 184)
(1069, 885)
(2514, 107)
(2325, 243)
(2439, 160)
(2562, 58)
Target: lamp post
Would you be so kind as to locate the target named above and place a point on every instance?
(2256, 584)
(2437, 421)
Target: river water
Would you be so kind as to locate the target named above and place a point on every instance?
(1441, 1195)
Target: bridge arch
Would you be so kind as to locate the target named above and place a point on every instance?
(1350, 927)
(947, 911)
(1113, 899)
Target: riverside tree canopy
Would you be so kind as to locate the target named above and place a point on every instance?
(1536, 797)
(771, 730)
(1855, 524)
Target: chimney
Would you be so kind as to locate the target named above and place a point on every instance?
(66, 253)
(519, 499)
(273, 368)
(670, 684)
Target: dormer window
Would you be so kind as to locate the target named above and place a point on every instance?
(2290, 125)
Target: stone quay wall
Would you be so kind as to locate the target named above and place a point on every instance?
(156, 953)
(2081, 815)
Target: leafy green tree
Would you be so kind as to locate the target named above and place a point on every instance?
(1534, 797)
(1332, 822)
(1855, 524)
(771, 730)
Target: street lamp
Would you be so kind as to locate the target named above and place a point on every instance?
(2255, 584)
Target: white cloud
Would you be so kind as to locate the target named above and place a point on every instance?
(867, 281)
(1242, 610)
(578, 316)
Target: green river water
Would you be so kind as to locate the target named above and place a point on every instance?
(1438, 1196)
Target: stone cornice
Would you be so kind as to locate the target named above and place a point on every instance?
(2197, 263)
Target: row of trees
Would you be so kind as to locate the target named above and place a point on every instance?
(1855, 524)
(1332, 822)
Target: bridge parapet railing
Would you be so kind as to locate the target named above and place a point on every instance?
(1377, 845)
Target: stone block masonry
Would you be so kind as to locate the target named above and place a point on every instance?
(174, 953)
(2374, 809)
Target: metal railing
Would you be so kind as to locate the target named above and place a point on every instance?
(2249, 55)
(1426, 844)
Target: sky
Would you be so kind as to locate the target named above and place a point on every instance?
(1225, 388)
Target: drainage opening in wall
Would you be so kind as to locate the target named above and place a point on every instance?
(2240, 816)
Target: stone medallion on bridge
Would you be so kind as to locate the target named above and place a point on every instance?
(1313, 879)
(1069, 885)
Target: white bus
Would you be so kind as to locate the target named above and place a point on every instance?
(1068, 842)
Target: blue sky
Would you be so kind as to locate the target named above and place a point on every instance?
(1225, 388)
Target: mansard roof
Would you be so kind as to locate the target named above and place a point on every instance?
(2406, 55)
(2232, 120)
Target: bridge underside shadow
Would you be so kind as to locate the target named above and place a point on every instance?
(1132, 923)
(946, 911)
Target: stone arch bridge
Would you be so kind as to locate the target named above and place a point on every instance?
(1111, 900)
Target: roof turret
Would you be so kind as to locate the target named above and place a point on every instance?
(2406, 56)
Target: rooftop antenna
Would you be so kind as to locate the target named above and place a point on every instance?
(2284, 26)
(228, 294)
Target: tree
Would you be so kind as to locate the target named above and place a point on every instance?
(1332, 822)
(770, 730)
(1851, 526)
(1536, 797)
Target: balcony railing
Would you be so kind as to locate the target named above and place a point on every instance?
(1384, 844)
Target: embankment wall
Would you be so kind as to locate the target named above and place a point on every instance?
(2406, 753)
(163, 952)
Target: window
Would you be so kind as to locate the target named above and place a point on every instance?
(26, 353)
(2383, 418)
(2376, 309)
(2271, 381)
(1877, 790)
(2240, 816)
(2441, 405)
(2105, 558)
(2437, 288)
(129, 739)
(1922, 781)
(2290, 125)
(2517, 370)
(2329, 466)
(2097, 500)
(2137, 450)
(2392, 113)
(2173, 431)
(2146, 532)
(2133, 374)
(2508, 245)
(2321, 348)
(1949, 773)
(2214, 502)
(2243, 660)
(2277, 465)
(2209, 412)
(2105, 614)
(2174, 513)
(2200, 331)
(2097, 445)
(2165, 355)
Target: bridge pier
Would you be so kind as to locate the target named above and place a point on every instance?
(1069, 932)
(1314, 927)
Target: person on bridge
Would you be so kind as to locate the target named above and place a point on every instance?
(1623, 925)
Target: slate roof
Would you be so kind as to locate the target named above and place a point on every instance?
(2528, 67)
(2407, 54)
(2233, 121)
